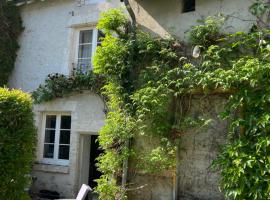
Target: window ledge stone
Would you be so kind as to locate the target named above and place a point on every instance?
(51, 168)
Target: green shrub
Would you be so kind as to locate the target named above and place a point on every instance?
(113, 21)
(150, 83)
(17, 142)
(208, 32)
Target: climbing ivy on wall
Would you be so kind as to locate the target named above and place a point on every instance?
(10, 29)
(146, 76)
(59, 85)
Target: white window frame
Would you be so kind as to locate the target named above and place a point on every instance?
(77, 43)
(54, 160)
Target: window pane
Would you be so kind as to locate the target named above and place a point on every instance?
(49, 136)
(86, 36)
(84, 65)
(65, 122)
(64, 137)
(85, 51)
(63, 152)
(48, 150)
(50, 121)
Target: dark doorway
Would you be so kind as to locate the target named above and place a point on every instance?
(95, 151)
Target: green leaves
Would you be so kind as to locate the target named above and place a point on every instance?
(157, 158)
(113, 21)
(17, 143)
(245, 168)
(152, 105)
(259, 8)
(110, 57)
(10, 29)
(146, 77)
(208, 32)
(59, 85)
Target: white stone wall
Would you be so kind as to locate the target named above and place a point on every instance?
(47, 42)
(87, 115)
(198, 149)
(47, 46)
(166, 17)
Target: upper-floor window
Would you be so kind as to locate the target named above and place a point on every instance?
(89, 39)
(56, 145)
(189, 5)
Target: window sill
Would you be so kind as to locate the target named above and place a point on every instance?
(51, 168)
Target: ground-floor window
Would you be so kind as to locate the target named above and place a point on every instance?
(56, 143)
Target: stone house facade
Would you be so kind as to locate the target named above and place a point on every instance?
(193, 178)
(60, 35)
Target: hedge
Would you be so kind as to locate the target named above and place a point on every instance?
(17, 143)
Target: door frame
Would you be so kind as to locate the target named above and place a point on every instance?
(84, 155)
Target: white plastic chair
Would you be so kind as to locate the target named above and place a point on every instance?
(82, 193)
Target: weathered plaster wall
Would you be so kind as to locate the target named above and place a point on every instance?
(193, 178)
(47, 46)
(87, 117)
(166, 17)
(145, 187)
(47, 40)
(198, 149)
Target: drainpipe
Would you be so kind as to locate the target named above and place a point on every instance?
(175, 178)
(133, 30)
(131, 14)
(125, 168)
